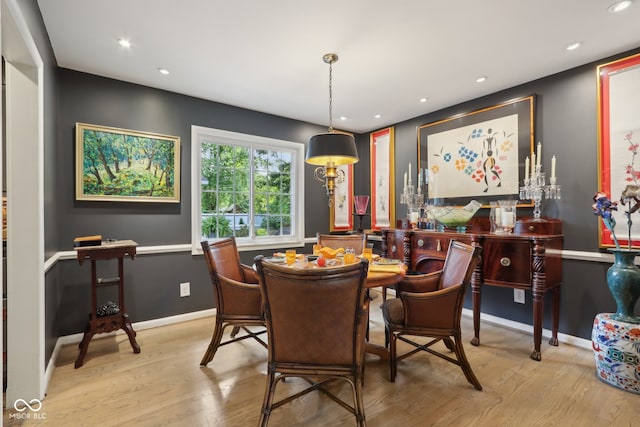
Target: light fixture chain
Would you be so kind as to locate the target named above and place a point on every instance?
(330, 96)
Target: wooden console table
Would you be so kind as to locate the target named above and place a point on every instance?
(106, 323)
(530, 258)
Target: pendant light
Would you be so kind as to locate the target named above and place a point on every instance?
(332, 149)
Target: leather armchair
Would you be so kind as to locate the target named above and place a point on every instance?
(430, 305)
(335, 241)
(238, 299)
(316, 321)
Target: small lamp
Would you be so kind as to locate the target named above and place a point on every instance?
(330, 150)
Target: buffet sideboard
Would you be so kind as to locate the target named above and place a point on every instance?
(529, 259)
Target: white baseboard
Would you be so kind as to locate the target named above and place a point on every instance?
(522, 327)
(139, 326)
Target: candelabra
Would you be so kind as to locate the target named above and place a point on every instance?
(414, 200)
(535, 188)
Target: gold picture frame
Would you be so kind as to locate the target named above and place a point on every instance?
(121, 165)
(478, 155)
(382, 151)
(341, 212)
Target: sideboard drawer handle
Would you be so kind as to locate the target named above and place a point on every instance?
(531, 228)
(439, 248)
(393, 249)
(505, 262)
(420, 242)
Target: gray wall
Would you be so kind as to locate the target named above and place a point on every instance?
(565, 123)
(151, 280)
(95, 100)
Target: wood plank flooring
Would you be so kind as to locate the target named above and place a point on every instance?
(165, 386)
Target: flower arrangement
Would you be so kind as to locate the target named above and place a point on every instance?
(603, 207)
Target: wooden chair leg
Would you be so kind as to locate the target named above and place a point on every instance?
(393, 360)
(359, 404)
(268, 399)
(214, 344)
(464, 364)
(449, 344)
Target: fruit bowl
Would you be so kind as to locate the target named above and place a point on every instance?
(455, 216)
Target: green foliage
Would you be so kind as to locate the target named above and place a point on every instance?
(216, 226)
(226, 174)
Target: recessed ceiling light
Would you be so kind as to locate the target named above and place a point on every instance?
(424, 99)
(343, 118)
(481, 79)
(124, 43)
(573, 46)
(163, 71)
(619, 6)
(377, 116)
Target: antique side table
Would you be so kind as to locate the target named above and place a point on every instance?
(117, 318)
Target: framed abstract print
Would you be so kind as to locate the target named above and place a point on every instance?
(478, 155)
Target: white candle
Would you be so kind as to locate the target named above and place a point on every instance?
(553, 166)
(409, 169)
(507, 219)
(405, 182)
(526, 168)
(533, 165)
(539, 154)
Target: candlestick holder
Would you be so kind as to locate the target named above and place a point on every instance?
(535, 188)
(360, 203)
(414, 200)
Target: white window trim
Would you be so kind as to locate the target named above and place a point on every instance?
(296, 239)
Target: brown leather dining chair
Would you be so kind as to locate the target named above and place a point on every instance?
(316, 320)
(238, 300)
(335, 241)
(430, 305)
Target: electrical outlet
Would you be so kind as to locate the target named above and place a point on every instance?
(518, 296)
(185, 289)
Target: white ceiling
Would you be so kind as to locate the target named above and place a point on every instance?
(266, 55)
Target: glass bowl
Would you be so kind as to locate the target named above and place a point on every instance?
(455, 216)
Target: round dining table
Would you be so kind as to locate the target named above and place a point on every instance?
(389, 277)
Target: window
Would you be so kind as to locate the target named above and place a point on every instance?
(246, 186)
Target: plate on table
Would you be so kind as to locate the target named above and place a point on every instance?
(275, 260)
(387, 261)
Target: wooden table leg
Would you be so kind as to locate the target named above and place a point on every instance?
(538, 296)
(126, 326)
(84, 345)
(556, 316)
(378, 350)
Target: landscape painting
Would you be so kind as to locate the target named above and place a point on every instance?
(124, 165)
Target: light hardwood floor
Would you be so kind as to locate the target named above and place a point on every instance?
(165, 386)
